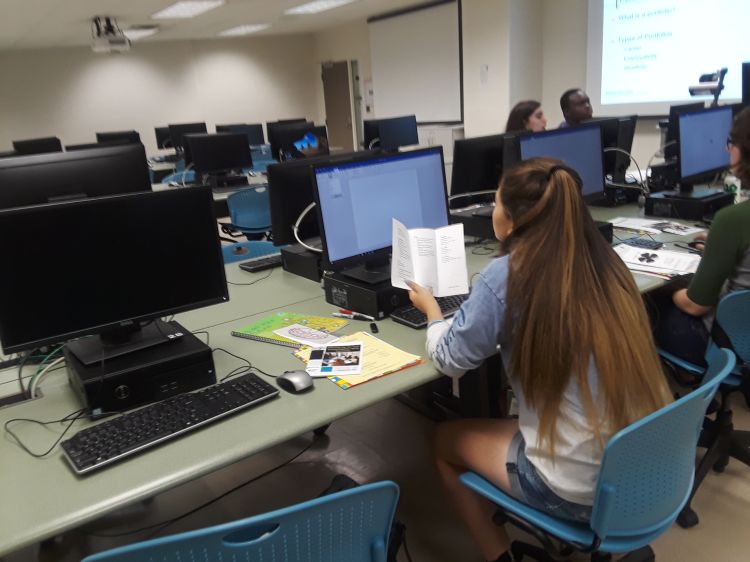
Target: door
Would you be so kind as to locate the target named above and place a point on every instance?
(337, 92)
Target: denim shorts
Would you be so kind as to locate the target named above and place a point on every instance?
(527, 486)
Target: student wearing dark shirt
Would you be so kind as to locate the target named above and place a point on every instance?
(683, 328)
(576, 107)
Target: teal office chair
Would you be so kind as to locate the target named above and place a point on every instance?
(646, 477)
(249, 212)
(348, 526)
(731, 330)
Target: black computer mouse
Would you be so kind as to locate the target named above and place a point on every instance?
(295, 381)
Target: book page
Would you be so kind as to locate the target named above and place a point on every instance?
(402, 268)
(453, 278)
(413, 257)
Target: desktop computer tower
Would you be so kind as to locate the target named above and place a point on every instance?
(377, 300)
(141, 377)
(696, 205)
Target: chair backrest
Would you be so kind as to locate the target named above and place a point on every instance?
(348, 526)
(648, 468)
(733, 315)
(249, 209)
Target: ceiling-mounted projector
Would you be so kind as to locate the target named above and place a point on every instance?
(106, 36)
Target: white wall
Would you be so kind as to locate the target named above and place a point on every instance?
(526, 62)
(72, 93)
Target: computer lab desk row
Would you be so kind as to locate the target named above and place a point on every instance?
(42, 498)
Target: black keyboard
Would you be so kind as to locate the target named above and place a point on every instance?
(261, 263)
(643, 243)
(416, 319)
(98, 446)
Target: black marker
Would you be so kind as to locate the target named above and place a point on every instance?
(373, 327)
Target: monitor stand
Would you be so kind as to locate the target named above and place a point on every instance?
(115, 343)
(371, 272)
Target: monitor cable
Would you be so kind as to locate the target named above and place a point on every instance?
(295, 229)
(184, 173)
(642, 185)
(374, 141)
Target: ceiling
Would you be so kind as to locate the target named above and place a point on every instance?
(32, 24)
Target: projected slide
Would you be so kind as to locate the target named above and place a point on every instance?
(653, 50)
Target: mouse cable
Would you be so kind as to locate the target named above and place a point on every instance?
(266, 276)
(157, 528)
(248, 368)
(70, 418)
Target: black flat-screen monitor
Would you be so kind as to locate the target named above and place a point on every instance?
(477, 165)
(357, 200)
(745, 84)
(273, 127)
(42, 178)
(578, 147)
(254, 132)
(37, 146)
(290, 191)
(673, 127)
(123, 137)
(702, 144)
(397, 132)
(296, 140)
(617, 132)
(391, 133)
(293, 120)
(163, 138)
(88, 145)
(219, 153)
(179, 130)
(113, 263)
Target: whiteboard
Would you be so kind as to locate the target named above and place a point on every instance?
(416, 64)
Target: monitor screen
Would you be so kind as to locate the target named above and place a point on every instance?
(290, 191)
(673, 130)
(37, 146)
(357, 201)
(703, 143)
(109, 261)
(125, 137)
(42, 178)
(477, 164)
(178, 131)
(220, 152)
(398, 131)
(163, 138)
(578, 147)
(254, 132)
(298, 140)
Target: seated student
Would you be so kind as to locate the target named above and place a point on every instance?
(685, 317)
(573, 333)
(526, 116)
(576, 107)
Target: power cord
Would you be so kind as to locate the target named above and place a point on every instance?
(266, 276)
(71, 418)
(243, 369)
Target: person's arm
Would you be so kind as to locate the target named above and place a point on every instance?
(719, 262)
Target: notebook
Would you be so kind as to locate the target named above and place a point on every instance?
(263, 329)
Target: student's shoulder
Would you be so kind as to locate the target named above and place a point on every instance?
(494, 276)
(733, 217)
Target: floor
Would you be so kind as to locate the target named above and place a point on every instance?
(386, 441)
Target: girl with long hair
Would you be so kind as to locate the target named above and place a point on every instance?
(574, 336)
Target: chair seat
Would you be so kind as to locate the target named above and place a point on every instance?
(569, 531)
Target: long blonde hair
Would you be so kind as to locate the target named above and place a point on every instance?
(572, 299)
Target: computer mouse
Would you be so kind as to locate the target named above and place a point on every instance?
(295, 381)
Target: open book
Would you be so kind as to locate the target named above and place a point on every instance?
(433, 258)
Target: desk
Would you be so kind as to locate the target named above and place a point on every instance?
(43, 497)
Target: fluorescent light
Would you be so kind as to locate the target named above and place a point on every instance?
(244, 29)
(187, 9)
(317, 6)
(136, 33)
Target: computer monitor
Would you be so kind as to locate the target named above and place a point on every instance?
(357, 200)
(397, 132)
(477, 166)
(220, 154)
(88, 145)
(123, 137)
(163, 138)
(299, 140)
(391, 133)
(293, 120)
(253, 131)
(273, 127)
(673, 127)
(37, 146)
(290, 191)
(745, 84)
(178, 131)
(43, 178)
(702, 144)
(578, 147)
(113, 265)
(617, 132)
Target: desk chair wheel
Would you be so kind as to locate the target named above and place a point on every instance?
(687, 518)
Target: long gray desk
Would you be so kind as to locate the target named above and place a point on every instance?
(42, 497)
